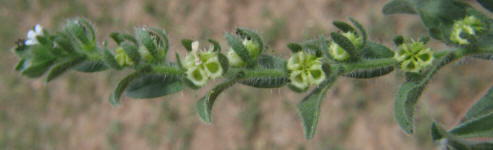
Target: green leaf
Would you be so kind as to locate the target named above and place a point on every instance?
(217, 47)
(344, 27)
(476, 127)
(482, 107)
(374, 50)
(61, 68)
(488, 4)
(146, 40)
(309, 107)
(223, 60)
(246, 33)
(405, 104)
(110, 60)
(37, 60)
(370, 73)
(361, 30)
(187, 43)
(121, 86)
(91, 66)
(270, 72)
(238, 47)
(121, 37)
(398, 40)
(153, 85)
(294, 47)
(398, 7)
(344, 43)
(204, 105)
(131, 51)
(457, 143)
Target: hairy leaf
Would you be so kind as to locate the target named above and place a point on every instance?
(91, 66)
(246, 33)
(238, 47)
(121, 86)
(345, 43)
(147, 41)
(270, 72)
(344, 27)
(361, 30)
(204, 105)
(309, 107)
(398, 7)
(451, 141)
(475, 127)
(60, 68)
(153, 85)
(187, 43)
(482, 107)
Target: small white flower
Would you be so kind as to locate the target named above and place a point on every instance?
(32, 34)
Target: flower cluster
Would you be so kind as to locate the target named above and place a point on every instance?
(470, 25)
(202, 65)
(33, 34)
(253, 51)
(305, 69)
(413, 57)
(338, 53)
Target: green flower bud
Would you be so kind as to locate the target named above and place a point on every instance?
(470, 25)
(337, 52)
(355, 39)
(122, 58)
(234, 59)
(305, 69)
(145, 54)
(252, 48)
(413, 57)
(202, 65)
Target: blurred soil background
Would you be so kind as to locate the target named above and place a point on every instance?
(73, 113)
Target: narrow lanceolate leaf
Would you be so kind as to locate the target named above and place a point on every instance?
(309, 107)
(217, 47)
(482, 107)
(187, 43)
(294, 47)
(449, 140)
(270, 72)
(109, 59)
(374, 50)
(361, 30)
(91, 66)
(399, 7)
(60, 68)
(488, 4)
(131, 51)
(204, 105)
(238, 47)
(476, 127)
(405, 105)
(153, 85)
(344, 27)
(345, 43)
(120, 88)
(246, 33)
(370, 73)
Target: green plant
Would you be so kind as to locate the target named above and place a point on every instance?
(467, 31)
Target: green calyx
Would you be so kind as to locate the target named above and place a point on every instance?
(354, 38)
(337, 52)
(305, 69)
(202, 65)
(145, 54)
(253, 51)
(413, 57)
(122, 58)
(470, 25)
